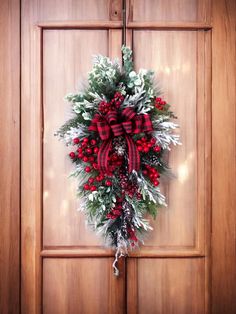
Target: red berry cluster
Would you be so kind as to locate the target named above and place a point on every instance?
(99, 180)
(152, 173)
(115, 161)
(144, 145)
(129, 188)
(117, 100)
(104, 107)
(87, 151)
(159, 103)
(115, 212)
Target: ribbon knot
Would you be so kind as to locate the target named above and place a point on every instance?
(108, 127)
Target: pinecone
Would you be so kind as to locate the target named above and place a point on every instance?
(127, 210)
(152, 160)
(119, 145)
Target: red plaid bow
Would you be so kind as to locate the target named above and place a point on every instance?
(107, 127)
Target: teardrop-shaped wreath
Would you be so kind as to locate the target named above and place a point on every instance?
(120, 132)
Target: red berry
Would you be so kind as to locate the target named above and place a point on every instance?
(163, 103)
(153, 170)
(146, 149)
(80, 150)
(87, 169)
(93, 188)
(98, 179)
(72, 155)
(110, 216)
(93, 142)
(139, 196)
(86, 187)
(108, 183)
(157, 149)
(140, 149)
(153, 140)
(116, 212)
(156, 183)
(145, 172)
(91, 158)
(143, 139)
(139, 142)
(91, 180)
(158, 99)
(95, 165)
(80, 155)
(85, 159)
(76, 140)
(89, 151)
(85, 140)
(95, 150)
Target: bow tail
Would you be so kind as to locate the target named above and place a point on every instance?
(103, 155)
(134, 158)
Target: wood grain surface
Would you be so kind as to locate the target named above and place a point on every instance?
(10, 156)
(223, 158)
(166, 286)
(64, 268)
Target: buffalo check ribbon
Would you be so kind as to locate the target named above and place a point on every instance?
(108, 127)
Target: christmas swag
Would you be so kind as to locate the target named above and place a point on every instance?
(120, 132)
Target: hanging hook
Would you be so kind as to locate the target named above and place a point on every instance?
(124, 23)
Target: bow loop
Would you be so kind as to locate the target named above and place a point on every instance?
(103, 130)
(138, 124)
(93, 125)
(128, 113)
(147, 123)
(111, 116)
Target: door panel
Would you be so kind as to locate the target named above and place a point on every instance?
(169, 10)
(167, 286)
(175, 68)
(62, 10)
(67, 57)
(76, 286)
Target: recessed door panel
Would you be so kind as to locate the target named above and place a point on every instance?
(173, 56)
(166, 286)
(79, 286)
(170, 10)
(67, 58)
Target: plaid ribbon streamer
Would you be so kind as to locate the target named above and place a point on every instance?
(107, 128)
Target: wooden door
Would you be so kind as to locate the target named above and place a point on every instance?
(170, 274)
(65, 268)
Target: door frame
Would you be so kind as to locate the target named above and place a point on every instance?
(223, 252)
